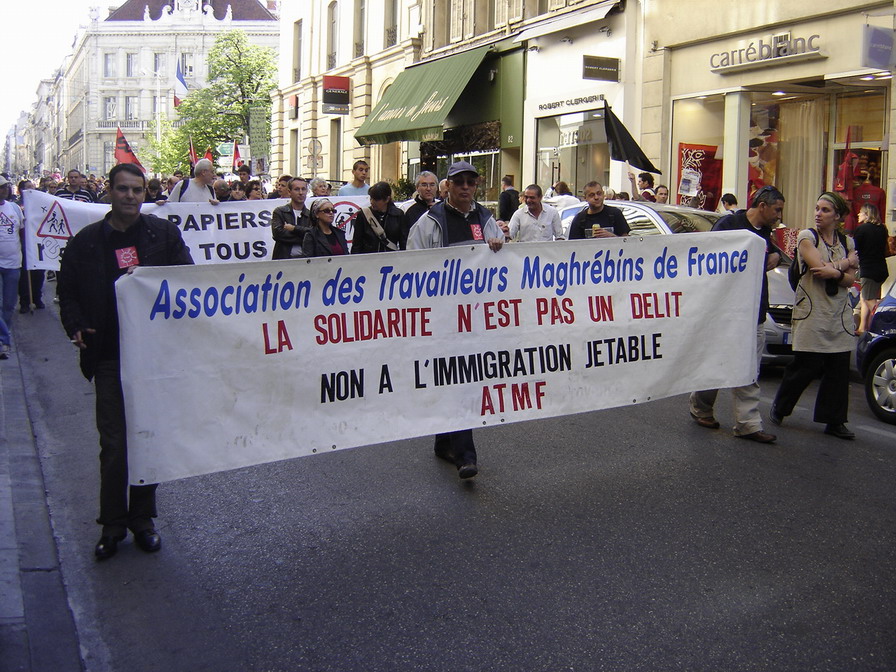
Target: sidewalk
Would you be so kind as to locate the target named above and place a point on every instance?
(37, 631)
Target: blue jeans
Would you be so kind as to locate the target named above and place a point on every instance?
(9, 289)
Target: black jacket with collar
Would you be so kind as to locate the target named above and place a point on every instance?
(83, 294)
(394, 226)
(283, 239)
(317, 245)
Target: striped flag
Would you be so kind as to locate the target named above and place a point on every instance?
(180, 86)
(237, 159)
(193, 157)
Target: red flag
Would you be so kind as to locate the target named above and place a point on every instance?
(237, 160)
(193, 157)
(124, 153)
(208, 155)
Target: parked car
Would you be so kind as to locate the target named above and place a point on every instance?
(876, 359)
(647, 219)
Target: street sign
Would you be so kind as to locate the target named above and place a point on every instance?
(225, 149)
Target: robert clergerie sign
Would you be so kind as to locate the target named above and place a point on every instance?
(766, 51)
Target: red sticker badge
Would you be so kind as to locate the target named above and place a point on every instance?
(127, 257)
(477, 231)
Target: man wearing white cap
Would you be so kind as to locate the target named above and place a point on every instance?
(458, 220)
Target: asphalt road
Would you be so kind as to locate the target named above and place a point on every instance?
(628, 539)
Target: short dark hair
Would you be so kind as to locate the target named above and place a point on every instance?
(507, 180)
(535, 188)
(244, 169)
(380, 191)
(729, 199)
(768, 195)
(73, 170)
(126, 168)
(284, 178)
(648, 178)
(360, 162)
(298, 177)
(154, 183)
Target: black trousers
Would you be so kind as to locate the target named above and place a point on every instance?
(458, 445)
(832, 401)
(118, 511)
(37, 288)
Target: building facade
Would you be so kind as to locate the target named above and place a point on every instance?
(777, 95)
(483, 79)
(121, 73)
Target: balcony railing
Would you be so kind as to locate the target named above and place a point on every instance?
(131, 124)
(391, 36)
(359, 49)
(296, 75)
(331, 60)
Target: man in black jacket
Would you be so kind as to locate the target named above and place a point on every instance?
(508, 200)
(94, 259)
(388, 230)
(290, 222)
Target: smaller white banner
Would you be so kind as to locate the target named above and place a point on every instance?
(227, 232)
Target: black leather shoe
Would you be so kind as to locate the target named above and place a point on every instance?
(24, 309)
(39, 305)
(775, 417)
(148, 541)
(840, 431)
(468, 470)
(107, 546)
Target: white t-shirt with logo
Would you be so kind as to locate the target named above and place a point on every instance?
(11, 222)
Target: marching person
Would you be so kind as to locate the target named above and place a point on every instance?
(358, 186)
(383, 226)
(324, 239)
(537, 222)
(94, 259)
(197, 189)
(458, 220)
(823, 325)
(764, 213)
(11, 225)
(291, 222)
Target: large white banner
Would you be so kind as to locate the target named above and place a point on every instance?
(227, 232)
(231, 365)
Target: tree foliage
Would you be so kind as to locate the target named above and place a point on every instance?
(241, 75)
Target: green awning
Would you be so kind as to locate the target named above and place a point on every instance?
(415, 106)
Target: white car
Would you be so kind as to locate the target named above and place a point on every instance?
(647, 219)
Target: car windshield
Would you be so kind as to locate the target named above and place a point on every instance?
(687, 221)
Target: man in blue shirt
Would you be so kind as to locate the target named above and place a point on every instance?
(358, 186)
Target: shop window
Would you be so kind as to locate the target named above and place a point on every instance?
(697, 143)
(572, 148)
(860, 122)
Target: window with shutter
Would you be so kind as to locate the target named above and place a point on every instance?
(456, 21)
(500, 13)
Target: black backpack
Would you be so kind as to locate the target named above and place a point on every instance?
(794, 273)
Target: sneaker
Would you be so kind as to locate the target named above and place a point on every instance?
(4, 352)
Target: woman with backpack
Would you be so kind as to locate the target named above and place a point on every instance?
(823, 327)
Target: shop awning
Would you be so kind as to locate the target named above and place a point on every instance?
(571, 20)
(417, 103)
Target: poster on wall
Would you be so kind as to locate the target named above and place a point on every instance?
(763, 156)
(701, 176)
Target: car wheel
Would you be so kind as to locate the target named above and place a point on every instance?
(880, 386)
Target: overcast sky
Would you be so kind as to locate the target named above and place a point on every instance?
(36, 38)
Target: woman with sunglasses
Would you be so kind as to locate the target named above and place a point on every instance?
(253, 191)
(823, 326)
(324, 239)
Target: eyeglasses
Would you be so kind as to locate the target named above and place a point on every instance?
(327, 210)
(470, 181)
